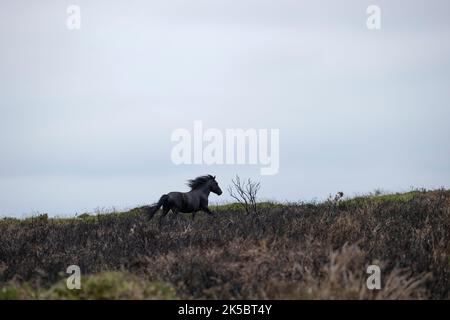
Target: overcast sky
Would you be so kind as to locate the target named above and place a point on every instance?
(86, 116)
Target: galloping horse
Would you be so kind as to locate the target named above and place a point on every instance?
(188, 202)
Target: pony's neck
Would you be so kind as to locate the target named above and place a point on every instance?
(205, 189)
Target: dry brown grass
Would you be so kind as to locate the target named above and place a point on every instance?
(303, 251)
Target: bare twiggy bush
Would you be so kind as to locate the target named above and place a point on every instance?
(245, 193)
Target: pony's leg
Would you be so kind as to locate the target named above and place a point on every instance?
(206, 209)
(176, 212)
(164, 213)
(193, 215)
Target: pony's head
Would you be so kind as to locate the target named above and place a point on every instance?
(208, 180)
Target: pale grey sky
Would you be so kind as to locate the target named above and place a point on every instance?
(86, 116)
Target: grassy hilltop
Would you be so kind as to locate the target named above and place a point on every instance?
(286, 251)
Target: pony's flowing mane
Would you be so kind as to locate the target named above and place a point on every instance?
(199, 181)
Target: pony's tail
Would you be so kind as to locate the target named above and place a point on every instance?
(154, 208)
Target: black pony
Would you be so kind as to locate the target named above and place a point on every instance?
(188, 202)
